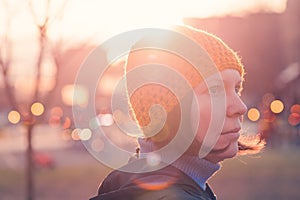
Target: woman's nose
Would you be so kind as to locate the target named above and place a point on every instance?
(235, 106)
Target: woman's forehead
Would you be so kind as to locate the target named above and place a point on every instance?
(225, 76)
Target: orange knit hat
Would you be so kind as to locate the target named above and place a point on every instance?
(142, 98)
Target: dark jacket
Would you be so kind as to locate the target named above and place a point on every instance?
(168, 183)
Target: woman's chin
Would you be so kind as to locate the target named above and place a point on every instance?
(231, 152)
(218, 154)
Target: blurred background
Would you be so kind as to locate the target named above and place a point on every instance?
(43, 44)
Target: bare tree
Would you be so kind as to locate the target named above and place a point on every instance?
(46, 48)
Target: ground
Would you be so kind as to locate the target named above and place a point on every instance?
(274, 174)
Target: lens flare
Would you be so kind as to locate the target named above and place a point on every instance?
(158, 184)
(97, 145)
(75, 95)
(106, 120)
(75, 134)
(85, 134)
(153, 159)
(148, 73)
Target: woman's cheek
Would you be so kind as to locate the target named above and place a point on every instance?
(201, 117)
(195, 114)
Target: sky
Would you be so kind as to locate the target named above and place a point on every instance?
(97, 20)
(105, 18)
(116, 16)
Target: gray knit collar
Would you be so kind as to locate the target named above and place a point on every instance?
(199, 169)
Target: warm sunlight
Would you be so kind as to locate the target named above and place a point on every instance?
(96, 95)
(95, 21)
(106, 18)
(114, 16)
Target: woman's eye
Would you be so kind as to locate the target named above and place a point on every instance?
(214, 90)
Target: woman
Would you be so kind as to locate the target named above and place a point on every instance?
(189, 113)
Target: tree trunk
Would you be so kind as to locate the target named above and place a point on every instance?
(29, 170)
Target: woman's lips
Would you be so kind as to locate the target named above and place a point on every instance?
(229, 136)
(232, 131)
(233, 134)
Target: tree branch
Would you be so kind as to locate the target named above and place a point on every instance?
(5, 62)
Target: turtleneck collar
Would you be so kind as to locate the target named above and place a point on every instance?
(199, 169)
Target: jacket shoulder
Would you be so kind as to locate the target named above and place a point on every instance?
(168, 183)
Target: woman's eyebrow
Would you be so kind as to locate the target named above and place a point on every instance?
(237, 81)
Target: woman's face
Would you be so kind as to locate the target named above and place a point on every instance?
(226, 145)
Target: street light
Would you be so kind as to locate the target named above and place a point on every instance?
(37, 109)
(14, 117)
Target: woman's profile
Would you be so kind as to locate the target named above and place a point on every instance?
(189, 115)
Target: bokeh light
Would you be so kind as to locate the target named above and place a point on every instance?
(56, 115)
(268, 98)
(153, 159)
(294, 119)
(94, 123)
(14, 117)
(277, 106)
(66, 134)
(37, 109)
(67, 123)
(253, 114)
(106, 119)
(119, 116)
(54, 121)
(57, 111)
(97, 145)
(85, 134)
(75, 134)
(268, 116)
(76, 95)
(295, 108)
